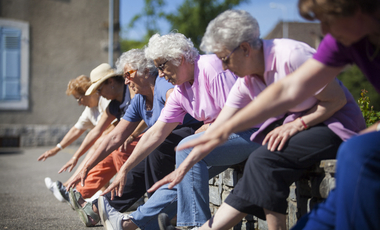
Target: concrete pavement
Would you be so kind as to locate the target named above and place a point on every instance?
(25, 202)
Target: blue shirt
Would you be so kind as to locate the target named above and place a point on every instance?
(137, 109)
(118, 109)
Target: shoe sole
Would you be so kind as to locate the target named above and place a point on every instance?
(48, 182)
(78, 209)
(103, 215)
(57, 194)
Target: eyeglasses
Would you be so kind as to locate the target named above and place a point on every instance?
(225, 59)
(162, 66)
(128, 74)
(79, 98)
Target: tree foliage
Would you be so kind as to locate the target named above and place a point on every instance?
(355, 81)
(191, 19)
(193, 16)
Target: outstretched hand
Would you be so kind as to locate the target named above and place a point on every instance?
(173, 178)
(80, 177)
(69, 165)
(117, 186)
(278, 137)
(47, 154)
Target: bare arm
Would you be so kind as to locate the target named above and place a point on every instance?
(89, 140)
(195, 156)
(149, 141)
(331, 99)
(67, 140)
(138, 130)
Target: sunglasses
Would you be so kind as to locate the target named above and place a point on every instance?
(128, 74)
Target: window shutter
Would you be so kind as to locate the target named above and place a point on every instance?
(10, 85)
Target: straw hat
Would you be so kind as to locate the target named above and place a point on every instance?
(99, 75)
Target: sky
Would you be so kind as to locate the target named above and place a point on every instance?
(260, 9)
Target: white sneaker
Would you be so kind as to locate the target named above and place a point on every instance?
(111, 219)
(48, 182)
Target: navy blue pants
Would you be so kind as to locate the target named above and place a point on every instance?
(355, 201)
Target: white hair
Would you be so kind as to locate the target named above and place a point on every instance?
(136, 59)
(229, 29)
(171, 47)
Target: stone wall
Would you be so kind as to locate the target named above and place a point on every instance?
(312, 188)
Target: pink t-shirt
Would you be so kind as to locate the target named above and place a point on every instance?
(205, 98)
(283, 56)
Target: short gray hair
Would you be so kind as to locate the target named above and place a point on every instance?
(136, 59)
(171, 47)
(229, 29)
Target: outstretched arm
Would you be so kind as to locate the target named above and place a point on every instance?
(177, 175)
(89, 140)
(73, 134)
(149, 141)
(111, 142)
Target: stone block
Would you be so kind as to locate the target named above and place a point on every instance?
(215, 195)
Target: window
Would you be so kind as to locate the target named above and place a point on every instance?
(14, 65)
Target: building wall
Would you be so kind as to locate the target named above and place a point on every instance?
(310, 33)
(67, 38)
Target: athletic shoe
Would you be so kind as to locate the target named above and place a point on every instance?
(111, 219)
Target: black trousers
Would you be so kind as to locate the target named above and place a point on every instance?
(159, 163)
(268, 175)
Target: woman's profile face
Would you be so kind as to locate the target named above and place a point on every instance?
(231, 60)
(172, 73)
(89, 101)
(136, 83)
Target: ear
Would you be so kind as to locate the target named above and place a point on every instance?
(246, 48)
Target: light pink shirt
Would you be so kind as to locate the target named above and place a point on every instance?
(205, 98)
(283, 56)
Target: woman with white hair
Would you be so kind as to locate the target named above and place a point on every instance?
(292, 142)
(151, 93)
(202, 87)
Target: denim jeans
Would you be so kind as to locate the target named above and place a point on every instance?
(355, 201)
(193, 193)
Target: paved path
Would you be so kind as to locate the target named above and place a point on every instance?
(25, 202)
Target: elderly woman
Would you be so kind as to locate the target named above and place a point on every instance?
(120, 97)
(151, 94)
(292, 142)
(353, 37)
(95, 106)
(201, 90)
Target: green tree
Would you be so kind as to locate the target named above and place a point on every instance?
(191, 19)
(193, 16)
(355, 81)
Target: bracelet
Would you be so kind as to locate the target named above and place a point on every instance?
(378, 127)
(74, 157)
(59, 146)
(303, 123)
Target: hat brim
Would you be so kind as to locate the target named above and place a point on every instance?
(94, 86)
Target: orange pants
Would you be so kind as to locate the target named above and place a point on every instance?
(102, 173)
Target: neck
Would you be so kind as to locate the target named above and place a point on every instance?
(258, 63)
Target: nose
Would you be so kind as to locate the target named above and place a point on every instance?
(161, 73)
(224, 65)
(126, 81)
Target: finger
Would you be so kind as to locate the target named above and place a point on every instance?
(71, 168)
(62, 169)
(266, 139)
(276, 143)
(158, 184)
(283, 142)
